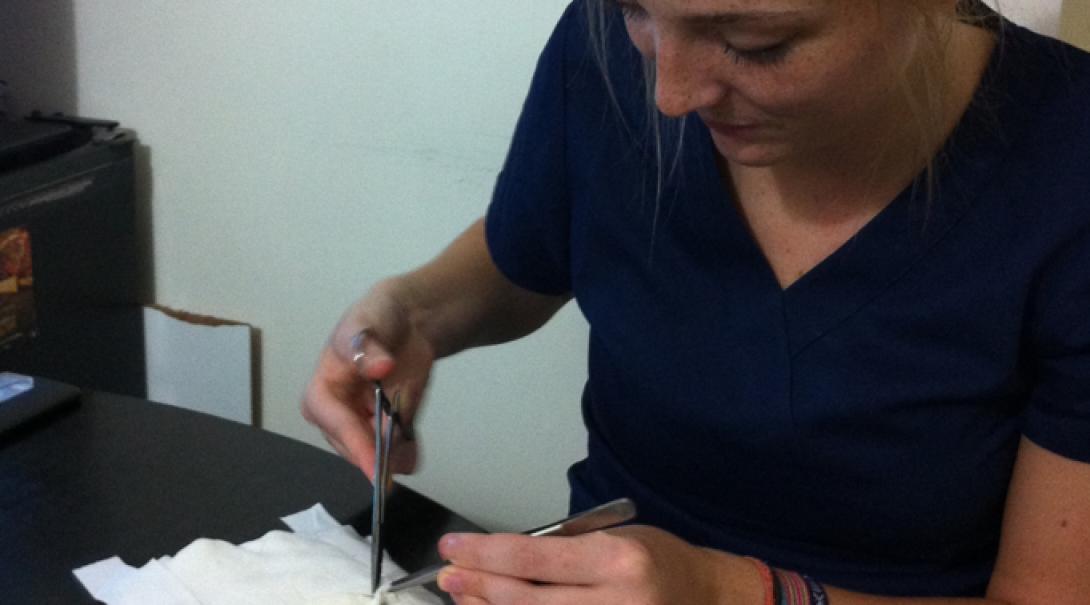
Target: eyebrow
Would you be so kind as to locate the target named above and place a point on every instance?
(734, 18)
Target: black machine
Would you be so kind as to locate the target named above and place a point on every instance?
(70, 268)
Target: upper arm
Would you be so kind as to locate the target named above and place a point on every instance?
(1044, 552)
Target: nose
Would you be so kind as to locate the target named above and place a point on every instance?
(684, 79)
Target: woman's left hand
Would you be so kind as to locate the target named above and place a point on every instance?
(629, 565)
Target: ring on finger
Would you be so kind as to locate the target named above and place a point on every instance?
(357, 345)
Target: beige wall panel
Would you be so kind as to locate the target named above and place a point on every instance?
(1075, 26)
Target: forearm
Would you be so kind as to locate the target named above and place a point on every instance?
(461, 300)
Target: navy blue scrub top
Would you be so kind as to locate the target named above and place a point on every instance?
(860, 425)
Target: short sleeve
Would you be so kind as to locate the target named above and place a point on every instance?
(528, 220)
(1058, 415)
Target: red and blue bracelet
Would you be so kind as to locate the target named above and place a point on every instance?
(784, 587)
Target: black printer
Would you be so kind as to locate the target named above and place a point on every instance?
(71, 272)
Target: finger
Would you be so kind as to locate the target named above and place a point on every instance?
(404, 455)
(580, 560)
(350, 432)
(341, 403)
(474, 586)
(406, 399)
(404, 389)
(335, 404)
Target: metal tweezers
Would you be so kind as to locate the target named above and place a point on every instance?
(387, 416)
(600, 517)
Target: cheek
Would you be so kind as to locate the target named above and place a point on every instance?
(823, 86)
(866, 83)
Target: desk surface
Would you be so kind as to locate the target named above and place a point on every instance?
(122, 476)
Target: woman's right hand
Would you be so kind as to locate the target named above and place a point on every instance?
(339, 399)
(458, 300)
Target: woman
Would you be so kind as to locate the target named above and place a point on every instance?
(848, 257)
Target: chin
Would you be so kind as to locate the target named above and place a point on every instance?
(751, 154)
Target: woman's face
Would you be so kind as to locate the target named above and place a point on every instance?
(779, 79)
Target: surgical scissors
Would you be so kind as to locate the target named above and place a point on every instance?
(387, 416)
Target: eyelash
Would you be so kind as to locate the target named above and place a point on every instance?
(768, 56)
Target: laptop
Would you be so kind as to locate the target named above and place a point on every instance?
(25, 400)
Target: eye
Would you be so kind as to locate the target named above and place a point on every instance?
(765, 55)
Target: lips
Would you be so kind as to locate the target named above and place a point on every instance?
(731, 129)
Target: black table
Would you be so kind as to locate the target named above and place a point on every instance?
(122, 476)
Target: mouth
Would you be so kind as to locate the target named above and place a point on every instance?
(732, 128)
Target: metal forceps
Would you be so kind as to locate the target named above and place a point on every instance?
(387, 416)
(599, 517)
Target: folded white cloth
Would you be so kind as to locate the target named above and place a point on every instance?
(320, 562)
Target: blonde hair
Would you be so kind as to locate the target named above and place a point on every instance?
(664, 135)
(924, 90)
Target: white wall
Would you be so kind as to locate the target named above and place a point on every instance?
(1039, 15)
(299, 151)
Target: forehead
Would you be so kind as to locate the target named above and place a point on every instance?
(741, 10)
(774, 13)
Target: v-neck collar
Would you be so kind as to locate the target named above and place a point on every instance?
(887, 247)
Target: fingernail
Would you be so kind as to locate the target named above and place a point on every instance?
(450, 582)
(449, 545)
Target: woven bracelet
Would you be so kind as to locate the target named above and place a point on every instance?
(793, 588)
(796, 589)
(768, 580)
(782, 587)
(817, 592)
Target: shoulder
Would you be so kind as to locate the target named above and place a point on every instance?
(1052, 83)
(592, 76)
(590, 48)
(1036, 107)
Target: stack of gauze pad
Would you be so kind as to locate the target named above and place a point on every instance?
(319, 562)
